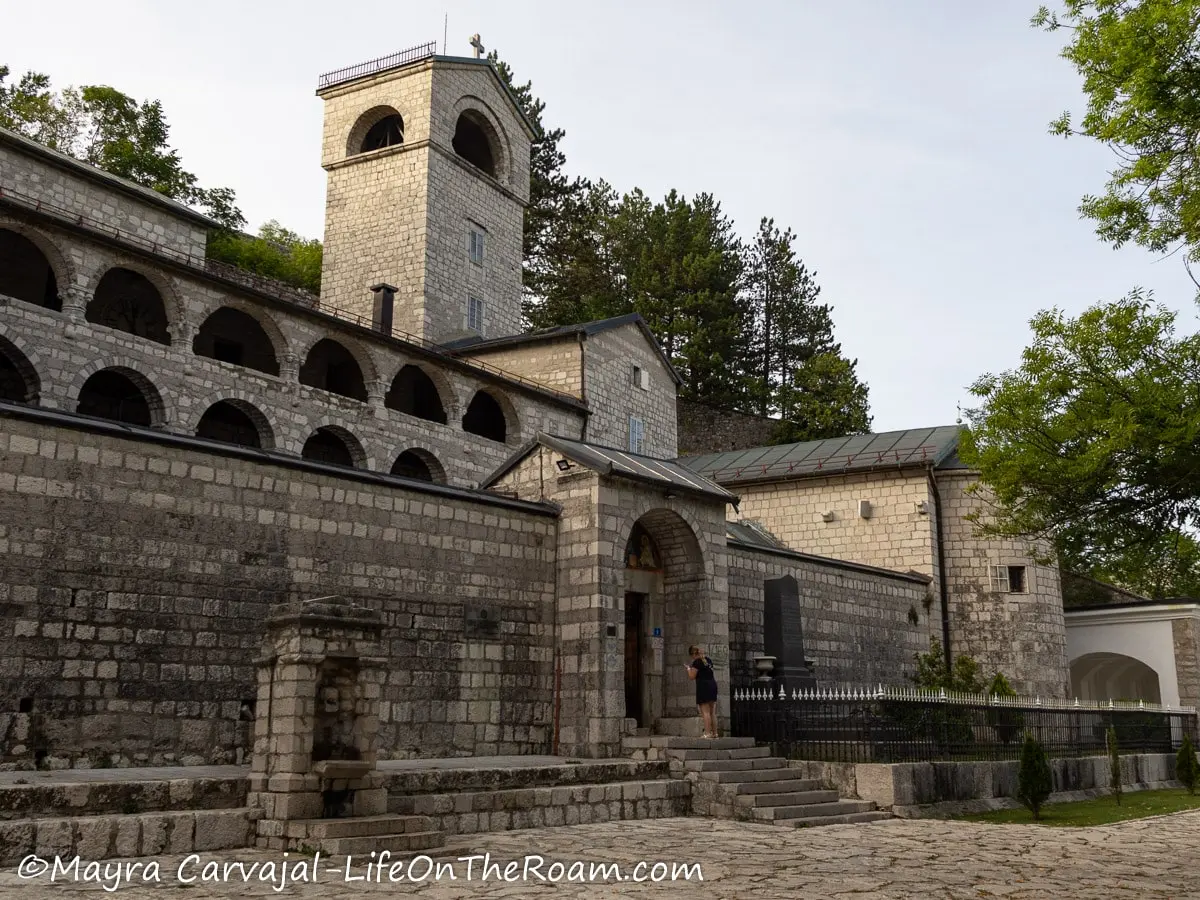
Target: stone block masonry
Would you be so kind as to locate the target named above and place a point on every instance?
(135, 578)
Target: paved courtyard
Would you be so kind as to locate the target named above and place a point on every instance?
(1147, 858)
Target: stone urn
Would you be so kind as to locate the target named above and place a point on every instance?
(765, 666)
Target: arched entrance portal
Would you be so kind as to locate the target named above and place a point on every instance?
(1113, 676)
(664, 603)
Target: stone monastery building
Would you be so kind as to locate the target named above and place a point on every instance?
(184, 446)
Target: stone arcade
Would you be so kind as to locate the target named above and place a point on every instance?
(185, 448)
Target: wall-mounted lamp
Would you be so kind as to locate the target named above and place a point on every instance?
(564, 465)
(864, 509)
(922, 507)
(827, 516)
(670, 495)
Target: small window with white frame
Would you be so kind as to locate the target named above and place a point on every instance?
(475, 314)
(637, 435)
(475, 242)
(1010, 579)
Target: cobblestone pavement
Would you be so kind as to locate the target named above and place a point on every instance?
(1147, 858)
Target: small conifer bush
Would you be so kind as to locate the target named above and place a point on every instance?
(1187, 770)
(1114, 764)
(1034, 781)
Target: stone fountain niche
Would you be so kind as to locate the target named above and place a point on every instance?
(317, 724)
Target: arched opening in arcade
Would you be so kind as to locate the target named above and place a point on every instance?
(25, 273)
(19, 382)
(419, 464)
(128, 301)
(235, 337)
(120, 395)
(235, 422)
(331, 367)
(335, 446)
(414, 393)
(485, 417)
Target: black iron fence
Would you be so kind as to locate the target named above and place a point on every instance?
(905, 725)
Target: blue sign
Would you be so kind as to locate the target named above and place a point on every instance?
(657, 632)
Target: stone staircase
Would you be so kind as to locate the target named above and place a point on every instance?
(733, 779)
(83, 813)
(362, 835)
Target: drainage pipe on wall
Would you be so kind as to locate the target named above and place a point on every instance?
(941, 554)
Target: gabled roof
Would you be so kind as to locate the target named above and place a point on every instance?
(470, 345)
(620, 463)
(107, 179)
(915, 447)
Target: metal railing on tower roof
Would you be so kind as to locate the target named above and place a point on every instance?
(373, 66)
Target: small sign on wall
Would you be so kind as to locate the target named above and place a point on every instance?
(656, 642)
(658, 632)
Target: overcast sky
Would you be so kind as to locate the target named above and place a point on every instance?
(905, 141)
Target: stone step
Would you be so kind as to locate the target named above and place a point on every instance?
(811, 810)
(393, 843)
(793, 798)
(783, 786)
(64, 797)
(736, 765)
(143, 834)
(671, 742)
(740, 776)
(742, 753)
(364, 826)
(847, 819)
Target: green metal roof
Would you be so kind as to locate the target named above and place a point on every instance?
(835, 456)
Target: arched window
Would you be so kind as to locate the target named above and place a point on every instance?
(329, 445)
(387, 132)
(232, 336)
(127, 301)
(331, 367)
(114, 394)
(25, 272)
(19, 382)
(485, 417)
(472, 142)
(413, 392)
(419, 464)
(231, 423)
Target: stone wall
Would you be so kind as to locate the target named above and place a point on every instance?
(84, 191)
(898, 535)
(614, 399)
(1022, 634)
(136, 571)
(64, 350)
(557, 364)
(708, 429)
(858, 628)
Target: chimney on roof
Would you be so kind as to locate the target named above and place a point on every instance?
(385, 302)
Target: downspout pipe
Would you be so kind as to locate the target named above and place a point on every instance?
(943, 590)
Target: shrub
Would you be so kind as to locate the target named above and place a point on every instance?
(1114, 764)
(1034, 782)
(1187, 770)
(1007, 723)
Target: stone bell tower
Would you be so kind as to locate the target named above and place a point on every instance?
(428, 177)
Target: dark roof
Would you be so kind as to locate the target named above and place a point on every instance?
(753, 534)
(92, 173)
(835, 456)
(621, 463)
(469, 345)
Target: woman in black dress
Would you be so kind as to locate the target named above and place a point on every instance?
(701, 671)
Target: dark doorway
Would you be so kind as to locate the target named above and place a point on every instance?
(327, 446)
(232, 336)
(225, 422)
(485, 418)
(414, 392)
(634, 611)
(109, 394)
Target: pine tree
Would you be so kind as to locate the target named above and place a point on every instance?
(1187, 770)
(1114, 764)
(1034, 780)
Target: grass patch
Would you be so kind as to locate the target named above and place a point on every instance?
(1100, 811)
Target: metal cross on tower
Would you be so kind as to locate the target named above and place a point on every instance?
(477, 45)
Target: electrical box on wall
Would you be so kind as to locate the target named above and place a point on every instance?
(827, 516)
(864, 509)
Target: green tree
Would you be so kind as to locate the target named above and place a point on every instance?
(795, 367)
(112, 131)
(1094, 444)
(553, 196)
(1006, 721)
(275, 253)
(1187, 769)
(1034, 779)
(1140, 64)
(933, 674)
(1114, 763)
